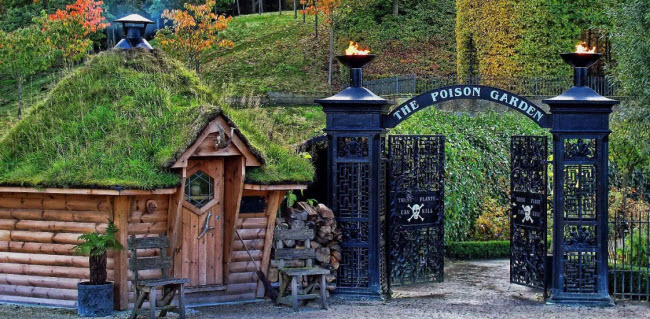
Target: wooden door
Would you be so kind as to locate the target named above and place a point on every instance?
(202, 231)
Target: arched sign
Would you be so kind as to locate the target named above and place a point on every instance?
(474, 92)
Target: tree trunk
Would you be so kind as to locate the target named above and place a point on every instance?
(252, 6)
(20, 81)
(280, 6)
(295, 10)
(261, 3)
(316, 22)
(238, 9)
(395, 7)
(196, 65)
(97, 269)
(331, 61)
(303, 13)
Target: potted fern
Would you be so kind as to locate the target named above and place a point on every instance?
(95, 297)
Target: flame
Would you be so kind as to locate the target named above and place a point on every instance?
(580, 48)
(353, 49)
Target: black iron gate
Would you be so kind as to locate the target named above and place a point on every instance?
(528, 180)
(416, 208)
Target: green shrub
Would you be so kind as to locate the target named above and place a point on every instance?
(494, 222)
(478, 249)
(635, 251)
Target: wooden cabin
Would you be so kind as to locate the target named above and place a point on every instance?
(201, 214)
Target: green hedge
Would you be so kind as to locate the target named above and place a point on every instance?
(478, 249)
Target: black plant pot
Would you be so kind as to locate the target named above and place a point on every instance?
(94, 300)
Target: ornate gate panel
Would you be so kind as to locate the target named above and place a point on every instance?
(416, 208)
(528, 179)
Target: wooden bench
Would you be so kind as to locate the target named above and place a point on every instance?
(294, 275)
(147, 287)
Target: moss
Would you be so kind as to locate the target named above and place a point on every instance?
(119, 121)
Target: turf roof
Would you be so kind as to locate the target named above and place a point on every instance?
(121, 120)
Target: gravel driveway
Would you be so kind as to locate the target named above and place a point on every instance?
(472, 289)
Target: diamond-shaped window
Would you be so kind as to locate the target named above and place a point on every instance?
(199, 189)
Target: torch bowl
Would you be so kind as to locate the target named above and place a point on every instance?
(580, 60)
(355, 61)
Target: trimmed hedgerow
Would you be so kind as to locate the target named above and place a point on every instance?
(506, 38)
(478, 249)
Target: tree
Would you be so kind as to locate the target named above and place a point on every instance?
(194, 30)
(311, 7)
(69, 30)
(631, 125)
(395, 7)
(327, 8)
(23, 52)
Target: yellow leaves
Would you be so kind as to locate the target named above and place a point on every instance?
(194, 30)
(226, 43)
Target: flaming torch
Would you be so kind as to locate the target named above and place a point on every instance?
(355, 59)
(580, 60)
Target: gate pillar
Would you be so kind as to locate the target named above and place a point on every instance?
(580, 129)
(356, 180)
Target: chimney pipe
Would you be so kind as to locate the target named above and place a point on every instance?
(134, 27)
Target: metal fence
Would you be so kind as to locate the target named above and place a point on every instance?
(531, 87)
(629, 244)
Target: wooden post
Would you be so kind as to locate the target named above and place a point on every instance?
(174, 224)
(121, 211)
(274, 201)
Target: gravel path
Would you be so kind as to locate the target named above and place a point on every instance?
(472, 289)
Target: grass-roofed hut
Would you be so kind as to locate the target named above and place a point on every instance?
(134, 137)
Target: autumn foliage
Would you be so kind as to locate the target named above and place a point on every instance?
(194, 30)
(320, 7)
(69, 30)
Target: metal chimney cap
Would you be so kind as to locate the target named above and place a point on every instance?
(134, 18)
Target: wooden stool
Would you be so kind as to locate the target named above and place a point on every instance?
(294, 275)
(147, 288)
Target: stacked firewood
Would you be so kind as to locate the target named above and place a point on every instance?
(326, 241)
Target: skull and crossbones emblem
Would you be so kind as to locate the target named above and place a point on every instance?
(527, 209)
(415, 211)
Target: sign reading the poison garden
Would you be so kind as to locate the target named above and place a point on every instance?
(416, 208)
(475, 92)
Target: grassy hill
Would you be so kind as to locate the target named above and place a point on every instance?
(272, 53)
(279, 53)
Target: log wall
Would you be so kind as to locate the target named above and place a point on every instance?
(37, 233)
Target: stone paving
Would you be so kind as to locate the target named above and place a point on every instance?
(472, 289)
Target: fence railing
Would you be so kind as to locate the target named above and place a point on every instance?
(629, 240)
(531, 87)
(629, 261)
